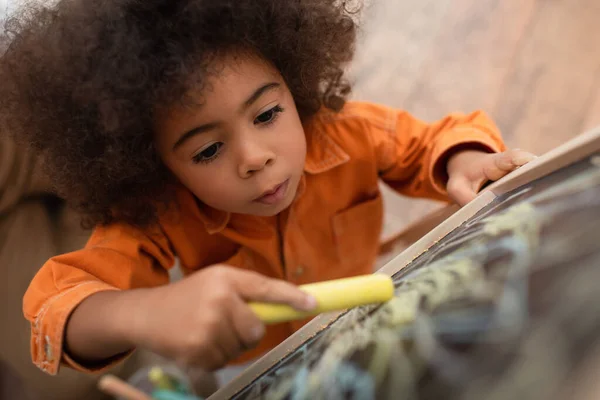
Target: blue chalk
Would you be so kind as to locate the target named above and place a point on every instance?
(170, 395)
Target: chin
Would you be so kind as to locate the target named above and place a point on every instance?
(275, 210)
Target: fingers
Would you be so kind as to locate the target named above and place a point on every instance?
(255, 287)
(503, 163)
(212, 359)
(521, 157)
(461, 190)
(248, 327)
(228, 342)
(463, 187)
(211, 346)
(196, 348)
(217, 343)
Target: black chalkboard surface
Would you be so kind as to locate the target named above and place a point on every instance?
(506, 306)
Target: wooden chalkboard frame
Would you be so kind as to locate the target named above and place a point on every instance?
(576, 149)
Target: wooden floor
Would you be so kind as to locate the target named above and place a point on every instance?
(533, 65)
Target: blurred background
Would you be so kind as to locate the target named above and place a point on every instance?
(533, 65)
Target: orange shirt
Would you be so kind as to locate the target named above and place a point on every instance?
(330, 231)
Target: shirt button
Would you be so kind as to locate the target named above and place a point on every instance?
(299, 271)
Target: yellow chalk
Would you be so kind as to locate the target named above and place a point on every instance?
(332, 295)
(160, 379)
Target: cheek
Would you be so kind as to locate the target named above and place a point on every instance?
(293, 144)
(208, 182)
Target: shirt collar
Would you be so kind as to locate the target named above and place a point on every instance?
(322, 152)
(214, 220)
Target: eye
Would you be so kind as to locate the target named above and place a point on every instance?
(268, 116)
(208, 154)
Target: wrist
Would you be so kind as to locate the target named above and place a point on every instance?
(131, 316)
(100, 327)
(461, 158)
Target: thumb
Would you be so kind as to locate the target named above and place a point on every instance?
(460, 190)
(255, 287)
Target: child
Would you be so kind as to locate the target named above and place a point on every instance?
(217, 133)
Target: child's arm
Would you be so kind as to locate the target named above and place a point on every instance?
(102, 301)
(202, 320)
(413, 156)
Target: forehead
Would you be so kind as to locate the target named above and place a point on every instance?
(229, 79)
(242, 66)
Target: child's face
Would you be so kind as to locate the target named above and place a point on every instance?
(243, 148)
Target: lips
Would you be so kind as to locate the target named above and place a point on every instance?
(274, 195)
(273, 191)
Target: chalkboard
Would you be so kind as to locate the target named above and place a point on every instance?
(506, 305)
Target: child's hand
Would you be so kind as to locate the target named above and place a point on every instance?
(469, 170)
(204, 320)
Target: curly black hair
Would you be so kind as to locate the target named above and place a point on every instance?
(82, 80)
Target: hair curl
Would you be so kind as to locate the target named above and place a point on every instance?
(82, 80)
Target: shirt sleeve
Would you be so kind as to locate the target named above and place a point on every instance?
(116, 257)
(412, 155)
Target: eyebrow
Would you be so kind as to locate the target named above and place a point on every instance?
(207, 127)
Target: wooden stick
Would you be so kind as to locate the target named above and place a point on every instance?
(114, 386)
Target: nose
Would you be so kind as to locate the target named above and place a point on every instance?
(254, 157)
